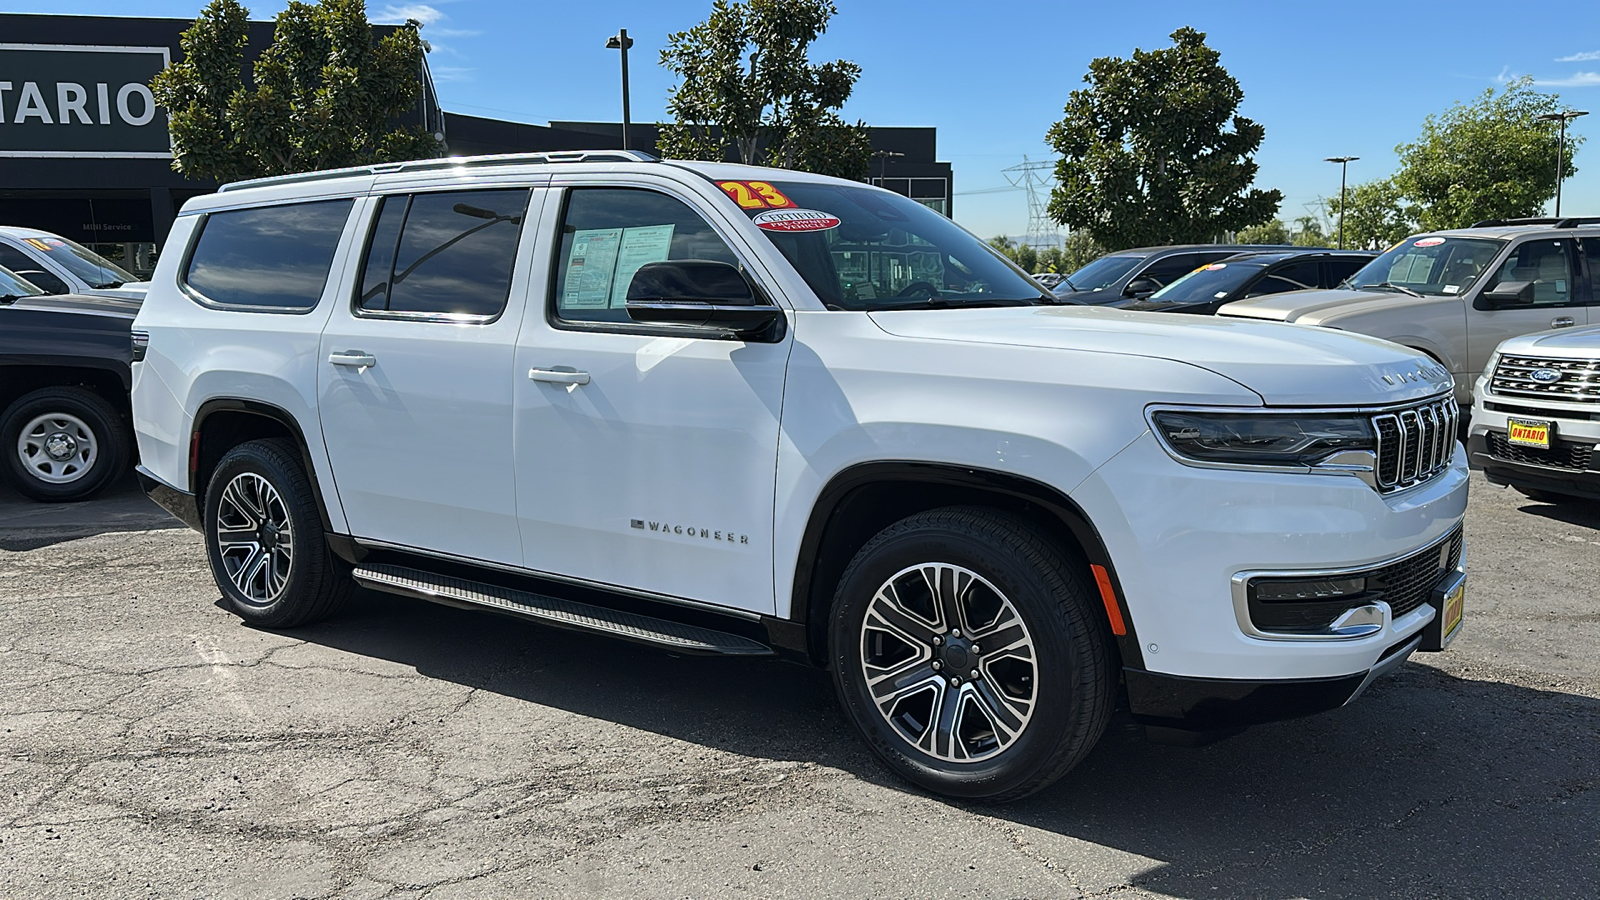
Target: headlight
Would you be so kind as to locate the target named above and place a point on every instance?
(1263, 439)
(1488, 368)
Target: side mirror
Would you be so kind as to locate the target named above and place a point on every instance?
(1510, 293)
(699, 292)
(1141, 287)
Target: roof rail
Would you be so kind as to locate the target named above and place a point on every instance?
(1563, 222)
(450, 162)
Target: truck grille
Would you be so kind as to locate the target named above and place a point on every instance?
(1406, 585)
(1561, 455)
(1576, 381)
(1415, 444)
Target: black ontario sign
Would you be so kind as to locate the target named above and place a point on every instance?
(61, 100)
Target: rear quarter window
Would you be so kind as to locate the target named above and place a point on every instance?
(268, 259)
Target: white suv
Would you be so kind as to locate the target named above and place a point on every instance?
(1536, 419)
(723, 409)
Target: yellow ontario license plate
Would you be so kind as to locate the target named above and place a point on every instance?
(1528, 433)
(1454, 605)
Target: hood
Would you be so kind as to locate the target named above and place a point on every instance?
(80, 303)
(1296, 305)
(1575, 343)
(1093, 298)
(1288, 365)
(133, 290)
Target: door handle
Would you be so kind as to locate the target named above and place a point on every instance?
(559, 375)
(353, 358)
(1563, 322)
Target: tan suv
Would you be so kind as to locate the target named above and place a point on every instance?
(1455, 295)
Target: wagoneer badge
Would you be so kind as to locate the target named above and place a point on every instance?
(666, 528)
(1419, 373)
(1545, 376)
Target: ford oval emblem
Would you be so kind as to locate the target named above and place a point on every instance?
(1545, 376)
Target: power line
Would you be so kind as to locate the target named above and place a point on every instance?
(1029, 176)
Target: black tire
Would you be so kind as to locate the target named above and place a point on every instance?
(78, 443)
(260, 496)
(1072, 672)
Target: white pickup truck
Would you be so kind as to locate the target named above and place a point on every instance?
(731, 410)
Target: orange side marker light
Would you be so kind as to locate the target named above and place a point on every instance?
(1109, 598)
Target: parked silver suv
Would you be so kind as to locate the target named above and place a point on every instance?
(1455, 295)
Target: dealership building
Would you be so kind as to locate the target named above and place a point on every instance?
(84, 150)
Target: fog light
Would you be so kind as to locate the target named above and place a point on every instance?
(1307, 591)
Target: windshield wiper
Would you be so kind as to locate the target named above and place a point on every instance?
(1068, 282)
(107, 285)
(1395, 287)
(8, 299)
(955, 303)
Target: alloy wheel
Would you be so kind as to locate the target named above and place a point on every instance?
(949, 662)
(254, 538)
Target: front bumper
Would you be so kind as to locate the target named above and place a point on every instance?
(1560, 470)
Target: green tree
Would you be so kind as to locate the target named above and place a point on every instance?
(1309, 233)
(747, 82)
(1375, 215)
(324, 95)
(1490, 160)
(1023, 255)
(1274, 232)
(1154, 152)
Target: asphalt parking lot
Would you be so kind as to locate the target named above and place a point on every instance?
(152, 746)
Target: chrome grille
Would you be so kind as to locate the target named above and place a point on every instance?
(1415, 444)
(1407, 584)
(1579, 380)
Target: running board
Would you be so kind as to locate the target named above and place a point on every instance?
(557, 612)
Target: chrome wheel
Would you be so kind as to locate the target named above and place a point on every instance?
(254, 538)
(948, 662)
(57, 448)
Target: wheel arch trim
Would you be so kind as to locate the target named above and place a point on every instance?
(276, 414)
(808, 601)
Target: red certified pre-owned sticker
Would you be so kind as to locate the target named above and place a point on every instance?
(1429, 242)
(790, 220)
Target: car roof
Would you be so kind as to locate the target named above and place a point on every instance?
(17, 231)
(1267, 257)
(1167, 249)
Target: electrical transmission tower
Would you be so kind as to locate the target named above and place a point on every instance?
(1032, 177)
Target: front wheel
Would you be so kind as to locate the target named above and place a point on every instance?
(966, 651)
(264, 538)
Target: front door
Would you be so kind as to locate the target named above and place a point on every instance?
(646, 457)
(416, 374)
(1559, 299)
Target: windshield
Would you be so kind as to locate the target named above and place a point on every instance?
(1103, 272)
(1211, 282)
(14, 285)
(1427, 265)
(866, 249)
(88, 265)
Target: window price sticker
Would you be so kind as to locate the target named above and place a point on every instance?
(756, 195)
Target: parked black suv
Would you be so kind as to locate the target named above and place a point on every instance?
(1138, 273)
(64, 379)
(1255, 274)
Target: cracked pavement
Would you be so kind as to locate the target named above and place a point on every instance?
(153, 746)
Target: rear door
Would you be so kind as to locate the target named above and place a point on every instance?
(415, 372)
(1559, 298)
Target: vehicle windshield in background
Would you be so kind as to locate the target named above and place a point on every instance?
(1212, 282)
(1427, 265)
(867, 249)
(93, 268)
(13, 286)
(1102, 273)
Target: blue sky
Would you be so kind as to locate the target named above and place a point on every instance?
(1324, 80)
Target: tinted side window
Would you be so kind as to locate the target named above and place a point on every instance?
(1170, 268)
(1591, 255)
(443, 254)
(270, 258)
(608, 233)
(1293, 277)
(1340, 268)
(32, 270)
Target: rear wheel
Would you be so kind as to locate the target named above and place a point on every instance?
(966, 651)
(265, 541)
(63, 443)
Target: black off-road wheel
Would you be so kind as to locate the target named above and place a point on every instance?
(63, 443)
(966, 649)
(265, 541)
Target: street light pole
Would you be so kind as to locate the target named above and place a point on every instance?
(621, 41)
(1344, 167)
(1563, 117)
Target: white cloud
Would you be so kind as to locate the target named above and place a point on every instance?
(398, 13)
(451, 73)
(1581, 57)
(1577, 79)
